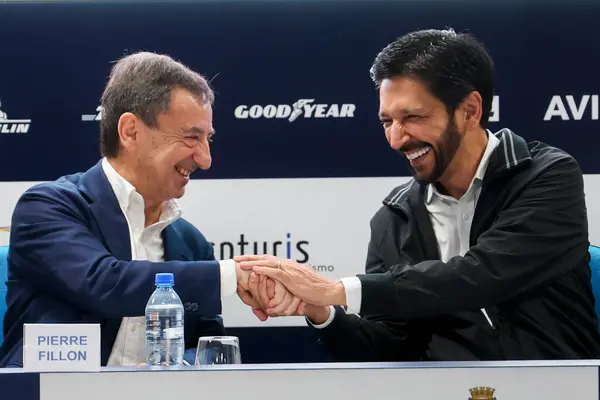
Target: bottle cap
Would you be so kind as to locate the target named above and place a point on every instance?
(164, 279)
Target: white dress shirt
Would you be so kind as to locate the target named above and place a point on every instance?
(451, 220)
(147, 244)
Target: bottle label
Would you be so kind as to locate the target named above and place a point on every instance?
(173, 333)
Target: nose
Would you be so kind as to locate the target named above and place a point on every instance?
(397, 136)
(202, 155)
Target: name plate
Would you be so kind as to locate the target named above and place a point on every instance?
(61, 347)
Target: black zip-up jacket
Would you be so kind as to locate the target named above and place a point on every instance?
(528, 266)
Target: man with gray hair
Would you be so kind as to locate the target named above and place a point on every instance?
(86, 247)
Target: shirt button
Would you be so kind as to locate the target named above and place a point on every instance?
(465, 216)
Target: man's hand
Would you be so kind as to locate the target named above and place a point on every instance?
(301, 280)
(243, 291)
(268, 298)
(274, 298)
(249, 300)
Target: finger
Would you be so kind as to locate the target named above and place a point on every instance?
(246, 297)
(260, 314)
(293, 307)
(260, 263)
(280, 307)
(250, 257)
(280, 293)
(244, 266)
(274, 273)
(253, 287)
(302, 308)
(262, 291)
(270, 288)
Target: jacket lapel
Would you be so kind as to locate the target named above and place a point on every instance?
(416, 199)
(174, 245)
(105, 209)
(107, 212)
(409, 199)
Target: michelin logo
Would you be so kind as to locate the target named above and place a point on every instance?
(13, 125)
(305, 107)
(93, 117)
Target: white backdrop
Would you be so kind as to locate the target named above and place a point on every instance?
(329, 217)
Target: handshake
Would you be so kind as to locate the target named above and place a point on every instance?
(275, 287)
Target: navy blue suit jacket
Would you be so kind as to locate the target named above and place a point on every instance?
(70, 262)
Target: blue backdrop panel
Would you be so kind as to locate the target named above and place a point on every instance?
(56, 58)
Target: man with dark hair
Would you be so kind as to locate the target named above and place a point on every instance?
(483, 255)
(86, 247)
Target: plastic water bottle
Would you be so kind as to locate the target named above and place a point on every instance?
(164, 324)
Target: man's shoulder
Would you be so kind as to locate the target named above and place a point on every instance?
(544, 155)
(550, 163)
(527, 160)
(64, 187)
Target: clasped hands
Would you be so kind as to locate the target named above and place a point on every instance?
(274, 287)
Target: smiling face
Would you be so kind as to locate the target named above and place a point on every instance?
(161, 159)
(418, 126)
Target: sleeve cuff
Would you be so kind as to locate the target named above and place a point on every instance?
(327, 321)
(353, 290)
(228, 278)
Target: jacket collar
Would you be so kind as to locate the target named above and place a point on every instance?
(510, 154)
(107, 212)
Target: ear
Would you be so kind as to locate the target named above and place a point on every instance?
(129, 129)
(471, 108)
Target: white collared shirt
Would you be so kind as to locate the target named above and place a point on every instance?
(451, 220)
(147, 244)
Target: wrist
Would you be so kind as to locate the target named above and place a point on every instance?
(317, 314)
(336, 295)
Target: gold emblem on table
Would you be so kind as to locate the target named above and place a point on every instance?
(482, 393)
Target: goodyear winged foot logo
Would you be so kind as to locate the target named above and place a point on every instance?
(482, 393)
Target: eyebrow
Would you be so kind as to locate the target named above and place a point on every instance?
(404, 111)
(200, 131)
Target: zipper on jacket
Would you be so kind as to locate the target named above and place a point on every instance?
(485, 314)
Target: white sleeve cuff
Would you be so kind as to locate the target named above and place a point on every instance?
(353, 289)
(228, 278)
(327, 321)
